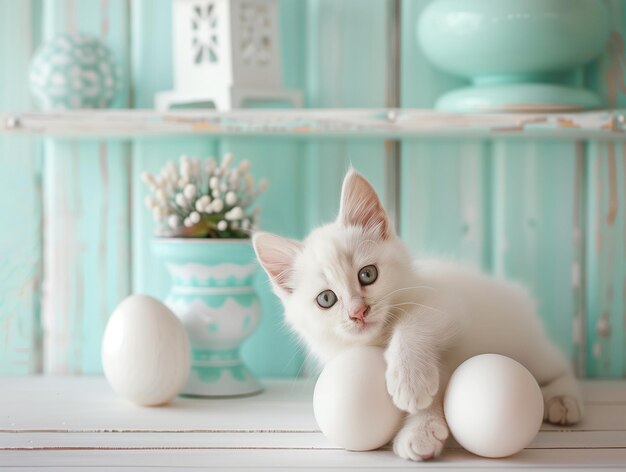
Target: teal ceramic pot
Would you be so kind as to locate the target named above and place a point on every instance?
(518, 54)
(73, 71)
(212, 293)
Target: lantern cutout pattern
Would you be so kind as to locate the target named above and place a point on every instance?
(226, 52)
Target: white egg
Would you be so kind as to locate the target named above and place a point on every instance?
(145, 351)
(493, 405)
(351, 403)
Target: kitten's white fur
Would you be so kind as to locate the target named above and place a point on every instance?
(430, 315)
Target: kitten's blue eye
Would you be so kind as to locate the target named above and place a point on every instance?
(326, 299)
(368, 275)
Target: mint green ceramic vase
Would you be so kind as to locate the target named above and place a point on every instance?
(520, 55)
(212, 293)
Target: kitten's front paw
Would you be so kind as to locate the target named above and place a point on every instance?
(412, 387)
(422, 438)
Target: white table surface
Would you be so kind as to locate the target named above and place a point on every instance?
(74, 422)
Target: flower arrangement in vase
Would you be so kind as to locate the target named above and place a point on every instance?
(204, 216)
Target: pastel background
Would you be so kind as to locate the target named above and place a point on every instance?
(74, 235)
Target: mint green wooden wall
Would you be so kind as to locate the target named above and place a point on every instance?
(550, 214)
(20, 205)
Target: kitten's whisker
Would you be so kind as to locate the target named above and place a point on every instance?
(428, 307)
(415, 287)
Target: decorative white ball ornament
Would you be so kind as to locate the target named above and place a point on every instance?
(351, 403)
(145, 351)
(493, 405)
(73, 71)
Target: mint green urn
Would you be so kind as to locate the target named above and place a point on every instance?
(212, 293)
(519, 55)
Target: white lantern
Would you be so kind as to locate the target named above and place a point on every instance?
(226, 52)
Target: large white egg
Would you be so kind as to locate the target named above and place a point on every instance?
(145, 351)
(493, 405)
(351, 403)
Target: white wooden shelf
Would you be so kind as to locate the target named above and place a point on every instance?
(78, 422)
(316, 123)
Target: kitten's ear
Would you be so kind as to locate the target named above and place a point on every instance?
(360, 205)
(276, 255)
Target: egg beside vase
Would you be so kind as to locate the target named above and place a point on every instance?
(145, 352)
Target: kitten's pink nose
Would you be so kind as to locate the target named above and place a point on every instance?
(360, 313)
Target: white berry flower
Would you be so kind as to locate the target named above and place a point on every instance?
(224, 187)
(222, 225)
(245, 224)
(161, 196)
(187, 222)
(173, 221)
(217, 205)
(181, 201)
(202, 203)
(234, 214)
(216, 193)
(214, 182)
(234, 225)
(194, 217)
(231, 198)
(189, 191)
(210, 165)
(185, 168)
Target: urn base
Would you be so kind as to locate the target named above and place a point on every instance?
(513, 98)
(220, 378)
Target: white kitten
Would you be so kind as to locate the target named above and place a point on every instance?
(352, 282)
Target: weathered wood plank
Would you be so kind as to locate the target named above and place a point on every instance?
(247, 459)
(444, 191)
(180, 440)
(606, 260)
(606, 217)
(366, 123)
(536, 239)
(86, 249)
(20, 207)
(260, 440)
(86, 207)
(88, 403)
